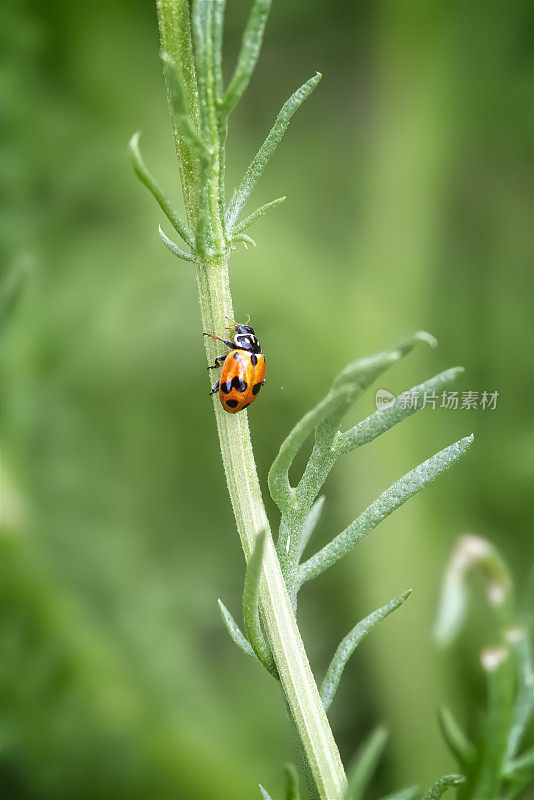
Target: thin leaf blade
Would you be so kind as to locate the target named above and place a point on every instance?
(310, 523)
(457, 741)
(251, 615)
(365, 763)
(259, 212)
(292, 782)
(349, 644)
(383, 420)
(383, 506)
(439, 788)
(248, 55)
(264, 154)
(173, 247)
(356, 378)
(235, 632)
(156, 191)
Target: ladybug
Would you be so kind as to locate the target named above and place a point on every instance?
(243, 369)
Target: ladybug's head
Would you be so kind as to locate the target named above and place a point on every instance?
(246, 339)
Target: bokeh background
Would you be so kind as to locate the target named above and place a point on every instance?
(409, 207)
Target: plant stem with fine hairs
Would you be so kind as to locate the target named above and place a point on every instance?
(201, 184)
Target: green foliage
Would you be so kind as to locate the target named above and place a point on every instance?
(292, 791)
(301, 511)
(157, 192)
(292, 782)
(457, 741)
(248, 56)
(111, 467)
(256, 645)
(235, 632)
(251, 612)
(439, 788)
(266, 151)
(493, 764)
(365, 763)
(200, 108)
(349, 644)
(382, 507)
(324, 422)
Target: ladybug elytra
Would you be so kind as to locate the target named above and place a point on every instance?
(243, 369)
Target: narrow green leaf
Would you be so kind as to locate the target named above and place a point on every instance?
(410, 793)
(356, 377)
(278, 478)
(365, 763)
(264, 793)
(360, 374)
(500, 670)
(263, 156)
(440, 787)
(383, 506)
(346, 388)
(292, 782)
(522, 765)
(407, 344)
(157, 192)
(173, 247)
(382, 420)
(310, 523)
(519, 640)
(235, 633)
(457, 741)
(251, 219)
(251, 614)
(248, 56)
(245, 238)
(350, 643)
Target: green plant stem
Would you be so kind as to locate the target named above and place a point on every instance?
(284, 637)
(283, 634)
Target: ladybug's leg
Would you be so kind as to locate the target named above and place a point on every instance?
(215, 388)
(231, 345)
(218, 361)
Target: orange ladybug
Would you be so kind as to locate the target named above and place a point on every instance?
(243, 369)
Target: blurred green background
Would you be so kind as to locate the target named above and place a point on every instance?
(409, 207)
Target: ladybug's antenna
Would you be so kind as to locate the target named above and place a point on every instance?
(234, 323)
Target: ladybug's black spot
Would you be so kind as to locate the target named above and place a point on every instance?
(239, 384)
(226, 387)
(253, 360)
(256, 388)
(231, 403)
(245, 406)
(236, 356)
